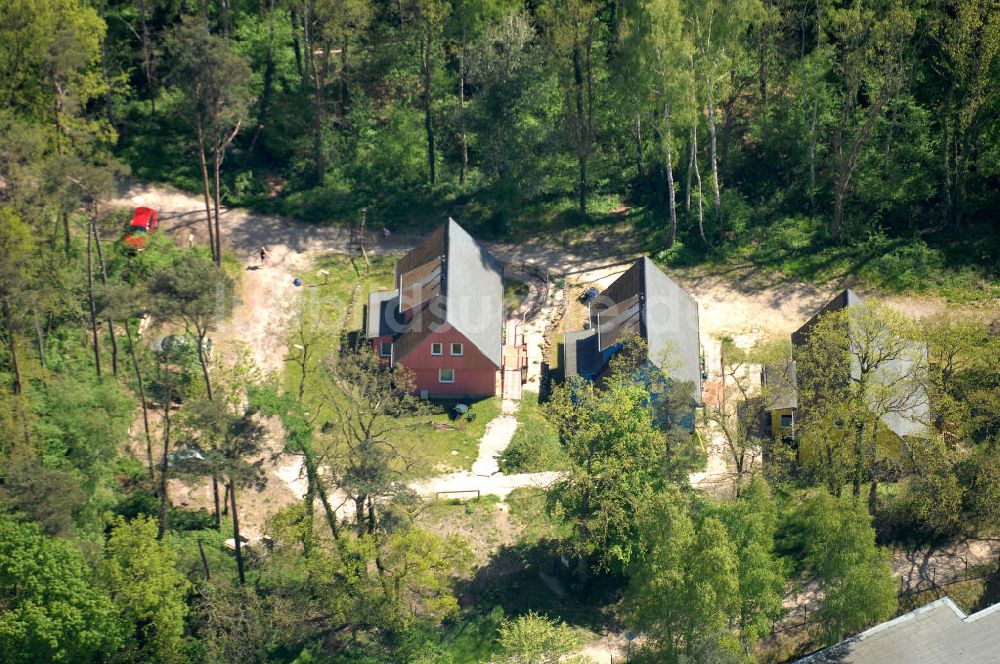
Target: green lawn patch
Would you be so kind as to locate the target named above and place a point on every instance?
(535, 446)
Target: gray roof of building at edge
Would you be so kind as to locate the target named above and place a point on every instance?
(470, 292)
(908, 419)
(668, 322)
(938, 633)
(580, 354)
(383, 317)
(783, 383)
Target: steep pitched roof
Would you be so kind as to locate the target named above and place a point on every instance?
(647, 302)
(938, 633)
(450, 279)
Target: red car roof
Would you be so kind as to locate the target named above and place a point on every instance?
(141, 215)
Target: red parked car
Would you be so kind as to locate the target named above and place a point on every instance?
(143, 223)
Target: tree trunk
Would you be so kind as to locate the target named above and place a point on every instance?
(15, 366)
(106, 73)
(697, 178)
(716, 185)
(461, 111)
(425, 48)
(104, 280)
(203, 361)
(312, 473)
(690, 170)
(581, 127)
(236, 533)
(204, 560)
(308, 503)
(90, 301)
(297, 46)
(814, 116)
(217, 160)
(319, 87)
(873, 496)
(372, 520)
(148, 66)
(839, 193)
(39, 338)
(205, 186)
(638, 146)
(267, 85)
(66, 238)
(164, 468)
(671, 197)
(142, 398)
(215, 499)
(359, 514)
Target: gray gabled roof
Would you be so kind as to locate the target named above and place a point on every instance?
(938, 633)
(647, 302)
(457, 282)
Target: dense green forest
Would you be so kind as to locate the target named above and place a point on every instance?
(815, 137)
(826, 140)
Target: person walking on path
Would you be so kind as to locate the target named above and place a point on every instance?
(263, 255)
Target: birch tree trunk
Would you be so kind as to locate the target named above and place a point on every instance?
(716, 185)
(638, 145)
(461, 111)
(697, 177)
(425, 63)
(671, 197)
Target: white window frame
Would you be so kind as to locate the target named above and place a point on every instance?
(440, 348)
(382, 349)
(461, 349)
(441, 376)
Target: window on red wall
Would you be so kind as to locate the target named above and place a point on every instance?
(446, 375)
(385, 350)
(456, 349)
(436, 349)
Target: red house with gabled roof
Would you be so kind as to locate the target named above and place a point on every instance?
(444, 319)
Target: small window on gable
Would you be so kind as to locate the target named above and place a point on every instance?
(446, 375)
(456, 349)
(385, 350)
(786, 421)
(436, 349)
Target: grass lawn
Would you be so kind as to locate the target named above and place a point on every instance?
(514, 292)
(437, 436)
(535, 446)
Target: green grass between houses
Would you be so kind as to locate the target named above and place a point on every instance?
(535, 446)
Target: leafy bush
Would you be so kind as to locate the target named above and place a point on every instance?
(535, 446)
